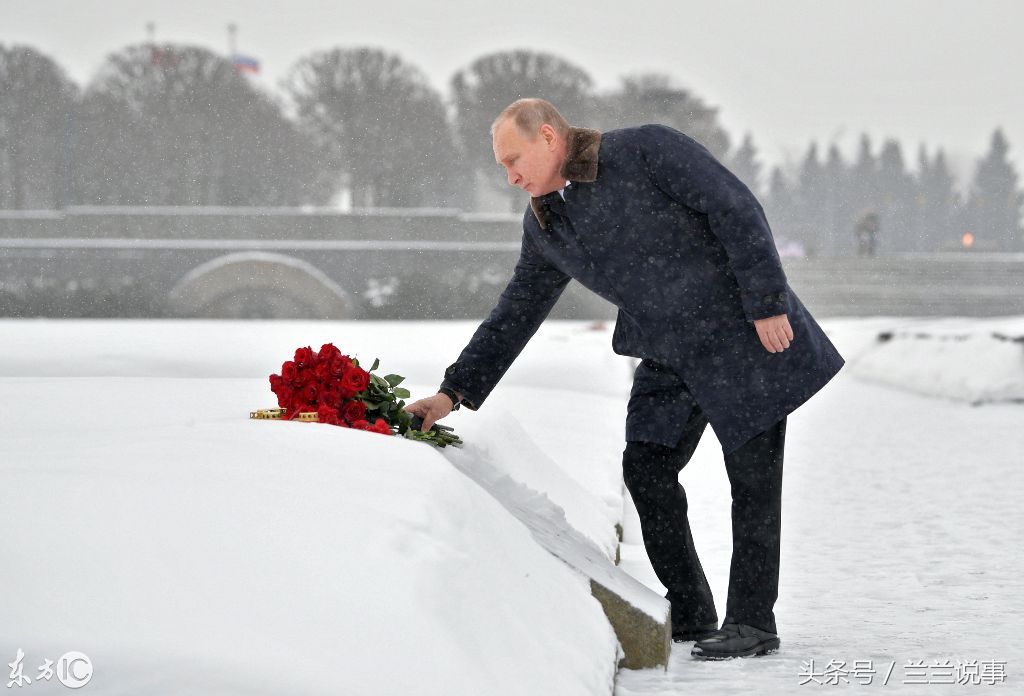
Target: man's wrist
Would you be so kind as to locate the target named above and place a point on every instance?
(455, 397)
(463, 397)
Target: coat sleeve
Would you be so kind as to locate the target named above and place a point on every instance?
(534, 288)
(686, 171)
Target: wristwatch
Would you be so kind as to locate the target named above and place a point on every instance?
(451, 395)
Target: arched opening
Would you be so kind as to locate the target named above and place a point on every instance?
(259, 285)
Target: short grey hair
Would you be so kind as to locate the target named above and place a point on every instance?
(530, 114)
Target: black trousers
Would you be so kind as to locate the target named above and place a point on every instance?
(651, 473)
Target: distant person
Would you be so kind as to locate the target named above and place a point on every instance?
(867, 234)
(648, 219)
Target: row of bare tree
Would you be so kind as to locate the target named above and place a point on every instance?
(178, 125)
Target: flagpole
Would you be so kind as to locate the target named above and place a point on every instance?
(241, 63)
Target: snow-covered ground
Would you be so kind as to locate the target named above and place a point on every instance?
(149, 524)
(901, 532)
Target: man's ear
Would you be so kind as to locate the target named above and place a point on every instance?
(549, 134)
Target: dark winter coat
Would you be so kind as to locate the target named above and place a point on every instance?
(654, 224)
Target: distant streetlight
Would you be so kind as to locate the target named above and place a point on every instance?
(967, 240)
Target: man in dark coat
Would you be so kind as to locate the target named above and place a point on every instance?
(648, 219)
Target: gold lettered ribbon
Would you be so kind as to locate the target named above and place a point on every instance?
(279, 413)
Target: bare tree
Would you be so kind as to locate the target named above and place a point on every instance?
(36, 110)
(380, 125)
(653, 98)
(178, 125)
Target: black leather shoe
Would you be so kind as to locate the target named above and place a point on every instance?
(736, 640)
(681, 634)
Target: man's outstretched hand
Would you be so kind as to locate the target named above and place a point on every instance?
(431, 409)
(775, 333)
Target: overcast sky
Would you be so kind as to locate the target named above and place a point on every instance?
(939, 72)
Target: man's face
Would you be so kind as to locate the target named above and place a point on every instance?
(533, 163)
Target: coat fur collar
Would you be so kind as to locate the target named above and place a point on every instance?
(581, 147)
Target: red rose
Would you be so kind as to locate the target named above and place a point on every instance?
(276, 383)
(361, 425)
(328, 415)
(331, 396)
(354, 410)
(323, 371)
(289, 372)
(356, 379)
(328, 353)
(337, 368)
(284, 396)
(309, 392)
(381, 426)
(304, 356)
(306, 376)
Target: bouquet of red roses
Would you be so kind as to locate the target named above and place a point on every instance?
(327, 386)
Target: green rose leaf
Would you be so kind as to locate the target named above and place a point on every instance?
(394, 380)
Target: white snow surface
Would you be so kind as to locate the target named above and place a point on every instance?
(187, 549)
(974, 360)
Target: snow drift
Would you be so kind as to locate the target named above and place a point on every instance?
(965, 359)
